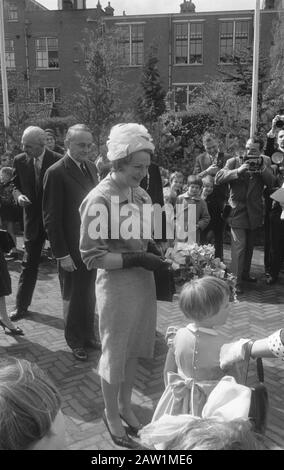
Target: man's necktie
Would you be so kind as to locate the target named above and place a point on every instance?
(37, 167)
(85, 171)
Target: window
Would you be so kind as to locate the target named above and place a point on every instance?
(131, 44)
(12, 95)
(233, 39)
(181, 43)
(10, 54)
(189, 43)
(183, 94)
(76, 54)
(48, 95)
(47, 53)
(86, 52)
(12, 12)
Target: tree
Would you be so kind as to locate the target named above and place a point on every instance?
(270, 78)
(176, 135)
(273, 96)
(228, 110)
(24, 110)
(98, 103)
(151, 104)
(240, 72)
(59, 124)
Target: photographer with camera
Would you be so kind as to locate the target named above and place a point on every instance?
(247, 175)
(274, 226)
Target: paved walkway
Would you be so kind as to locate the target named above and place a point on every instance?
(258, 313)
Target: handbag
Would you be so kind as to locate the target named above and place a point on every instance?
(165, 284)
(6, 241)
(259, 396)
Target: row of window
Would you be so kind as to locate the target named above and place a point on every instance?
(233, 38)
(181, 95)
(46, 53)
(44, 95)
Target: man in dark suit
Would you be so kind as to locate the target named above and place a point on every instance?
(29, 170)
(209, 163)
(66, 184)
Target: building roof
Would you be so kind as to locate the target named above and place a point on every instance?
(37, 4)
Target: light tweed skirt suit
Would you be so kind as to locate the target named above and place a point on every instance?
(126, 298)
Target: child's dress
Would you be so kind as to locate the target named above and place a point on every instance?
(197, 353)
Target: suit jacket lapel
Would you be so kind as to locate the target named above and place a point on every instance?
(92, 172)
(31, 173)
(75, 172)
(45, 164)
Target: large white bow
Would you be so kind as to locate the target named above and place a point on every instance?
(228, 400)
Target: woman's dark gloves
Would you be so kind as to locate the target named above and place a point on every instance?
(144, 260)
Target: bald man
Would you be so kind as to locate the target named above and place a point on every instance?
(29, 170)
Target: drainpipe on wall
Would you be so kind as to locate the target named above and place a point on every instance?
(170, 53)
(3, 71)
(27, 74)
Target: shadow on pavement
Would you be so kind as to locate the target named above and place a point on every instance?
(45, 319)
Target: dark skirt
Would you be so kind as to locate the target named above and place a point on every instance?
(5, 280)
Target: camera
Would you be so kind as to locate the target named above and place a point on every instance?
(255, 163)
(277, 158)
(280, 122)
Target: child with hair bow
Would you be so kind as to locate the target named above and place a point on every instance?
(223, 424)
(192, 367)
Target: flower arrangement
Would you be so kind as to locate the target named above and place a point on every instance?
(195, 261)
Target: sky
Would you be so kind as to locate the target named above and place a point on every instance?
(141, 7)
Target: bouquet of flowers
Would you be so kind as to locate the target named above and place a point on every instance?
(195, 261)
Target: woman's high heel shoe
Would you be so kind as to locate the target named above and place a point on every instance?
(123, 441)
(11, 331)
(132, 430)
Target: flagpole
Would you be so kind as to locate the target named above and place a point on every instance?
(253, 120)
(3, 69)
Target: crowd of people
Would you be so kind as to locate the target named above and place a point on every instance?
(100, 267)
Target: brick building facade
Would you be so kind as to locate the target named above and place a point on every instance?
(44, 46)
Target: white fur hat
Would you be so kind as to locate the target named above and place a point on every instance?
(125, 139)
